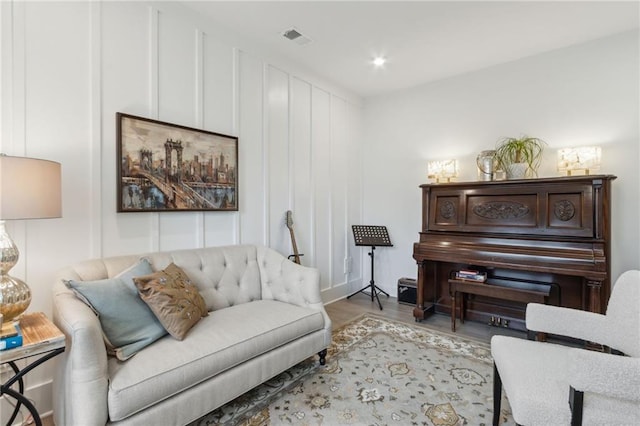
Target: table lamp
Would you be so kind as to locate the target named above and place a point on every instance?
(443, 170)
(29, 189)
(584, 159)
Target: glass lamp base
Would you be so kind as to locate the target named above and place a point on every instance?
(15, 297)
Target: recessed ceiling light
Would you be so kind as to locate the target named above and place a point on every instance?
(379, 61)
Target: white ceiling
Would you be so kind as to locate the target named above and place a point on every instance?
(422, 40)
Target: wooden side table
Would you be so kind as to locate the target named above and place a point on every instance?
(40, 338)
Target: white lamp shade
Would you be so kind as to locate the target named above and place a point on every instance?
(585, 158)
(30, 188)
(443, 169)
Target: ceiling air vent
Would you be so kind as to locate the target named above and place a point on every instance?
(296, 36)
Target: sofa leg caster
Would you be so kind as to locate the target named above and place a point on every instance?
(323, 355)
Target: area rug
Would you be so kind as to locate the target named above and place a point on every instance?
(378, 371)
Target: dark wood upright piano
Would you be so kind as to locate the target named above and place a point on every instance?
(547, 235)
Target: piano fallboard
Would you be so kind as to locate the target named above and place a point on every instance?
(587, 259)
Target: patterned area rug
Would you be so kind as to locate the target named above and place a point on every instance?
(378, 372)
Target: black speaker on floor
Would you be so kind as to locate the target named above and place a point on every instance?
(407, 291)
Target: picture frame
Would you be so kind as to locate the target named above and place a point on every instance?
(165, 167)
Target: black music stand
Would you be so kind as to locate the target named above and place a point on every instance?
(365, 235)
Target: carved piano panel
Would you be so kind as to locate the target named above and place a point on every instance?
(551, 231)
(552, 208)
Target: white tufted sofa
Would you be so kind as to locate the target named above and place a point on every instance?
(265, 315)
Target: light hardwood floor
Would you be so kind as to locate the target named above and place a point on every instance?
(345, 310)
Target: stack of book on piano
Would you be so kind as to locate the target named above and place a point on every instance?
(471, 275)
(10, 336)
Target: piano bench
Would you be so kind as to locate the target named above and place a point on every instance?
(489, 290)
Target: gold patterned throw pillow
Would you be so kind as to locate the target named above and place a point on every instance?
(173, 298)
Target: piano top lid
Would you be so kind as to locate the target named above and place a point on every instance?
(545, 180)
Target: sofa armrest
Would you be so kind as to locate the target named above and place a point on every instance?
(567, 322)
(605, 374)
(286, 281)
(81, 379)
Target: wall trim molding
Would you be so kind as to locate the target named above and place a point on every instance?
(96, 140)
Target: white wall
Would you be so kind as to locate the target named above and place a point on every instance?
(582, 95)
(68, 67)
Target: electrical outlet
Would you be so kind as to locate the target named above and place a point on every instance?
(347, 265)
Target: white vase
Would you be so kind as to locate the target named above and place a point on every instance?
(517, 171)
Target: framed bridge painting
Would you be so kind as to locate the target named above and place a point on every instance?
(167, 167)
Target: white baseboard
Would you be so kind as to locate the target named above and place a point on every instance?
(40, 395)
(340, 291)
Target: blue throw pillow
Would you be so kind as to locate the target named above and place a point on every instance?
(128, 324)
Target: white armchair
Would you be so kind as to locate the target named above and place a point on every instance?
(552, 384)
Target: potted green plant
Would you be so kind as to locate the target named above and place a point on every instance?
(519, 157)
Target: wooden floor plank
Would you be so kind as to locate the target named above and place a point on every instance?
(345, 310)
